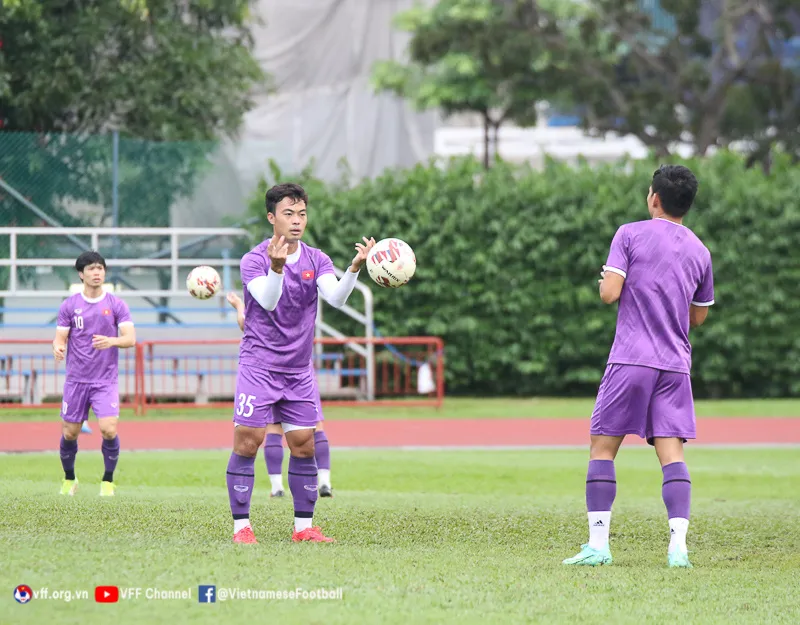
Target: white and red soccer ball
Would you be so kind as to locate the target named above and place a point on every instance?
(391, 263)
(203, 282)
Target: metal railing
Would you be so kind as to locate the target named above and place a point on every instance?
(174, 262)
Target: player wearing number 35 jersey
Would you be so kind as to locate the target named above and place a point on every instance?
(273, 443)
(275, 384)
(92, 326)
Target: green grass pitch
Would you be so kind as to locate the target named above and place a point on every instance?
(422, 537)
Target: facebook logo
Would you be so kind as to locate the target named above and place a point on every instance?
(207, 594)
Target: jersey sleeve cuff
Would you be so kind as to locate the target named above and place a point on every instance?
(62, 327)
(615, 270)
(125, 323)
(711, 303)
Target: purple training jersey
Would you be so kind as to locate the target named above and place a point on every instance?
(282, 340)
(666, 268)
(85, 318)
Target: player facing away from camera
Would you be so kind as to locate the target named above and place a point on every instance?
(275, 383)
(661, 274)
(92, 326)
(273, 444)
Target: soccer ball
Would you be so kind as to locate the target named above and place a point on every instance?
(203, 282)
(391, 263)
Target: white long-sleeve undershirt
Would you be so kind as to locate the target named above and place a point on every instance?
(267, 290)
(334, 291)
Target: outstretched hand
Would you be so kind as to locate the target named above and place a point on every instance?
(235, 301)
(277, 250)
(362, 253)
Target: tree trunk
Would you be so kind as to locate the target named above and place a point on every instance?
(496, 132)
(708, 133)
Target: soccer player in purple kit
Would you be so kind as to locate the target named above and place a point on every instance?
(273, 444)
(661, 274)
(92, 326)
(275, 383)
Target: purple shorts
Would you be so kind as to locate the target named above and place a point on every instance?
(79, 396)
(647, 402)
(264, 397)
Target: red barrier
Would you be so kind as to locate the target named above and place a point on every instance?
(31, 378)
(178, 374)
(181, 374)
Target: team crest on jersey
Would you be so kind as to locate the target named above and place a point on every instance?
(106, 311)
(78, 311)
(308, 275)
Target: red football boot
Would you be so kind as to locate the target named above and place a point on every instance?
(245, 535)
(311, 534)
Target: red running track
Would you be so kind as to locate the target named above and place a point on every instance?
(144, 435)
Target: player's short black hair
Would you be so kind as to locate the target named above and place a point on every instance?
(281, 191)
(676, 187)
(88, 258)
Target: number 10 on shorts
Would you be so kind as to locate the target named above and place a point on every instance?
(245, 406)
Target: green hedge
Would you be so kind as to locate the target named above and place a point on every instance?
(508, 262)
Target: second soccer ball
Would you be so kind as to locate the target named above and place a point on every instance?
(391, 263)
(203, 282)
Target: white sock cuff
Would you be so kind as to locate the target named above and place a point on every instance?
(240, 524)
(302, 524)
(678, 522)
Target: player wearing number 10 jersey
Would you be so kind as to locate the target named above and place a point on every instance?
(92, 326)
(275, 384)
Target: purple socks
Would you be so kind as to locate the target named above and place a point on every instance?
(273, 453)
(601, 485)
(110, 450)
(303, 485)
(240, 478)
(677, 490)
(68, 451)
(322, 451)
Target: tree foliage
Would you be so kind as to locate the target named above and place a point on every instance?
(182, 72)
(474, 56)
(171, 77)
(159, 71)
(508, 262)
(708, 72)
(705, 72)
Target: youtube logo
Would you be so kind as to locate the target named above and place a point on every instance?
(106, 594)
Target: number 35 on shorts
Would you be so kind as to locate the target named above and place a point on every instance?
(244, 405)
